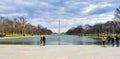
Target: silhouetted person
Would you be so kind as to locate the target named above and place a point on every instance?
(103, 40)
(108, 40)
(44, 41)
(117, 41)
(112, 41)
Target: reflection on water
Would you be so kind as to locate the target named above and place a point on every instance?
(53, 40)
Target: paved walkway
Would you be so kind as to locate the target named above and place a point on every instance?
(58, 52)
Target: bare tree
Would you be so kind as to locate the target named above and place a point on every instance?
(23, 23)
(20, 26)
(117, 14)
(2, 23)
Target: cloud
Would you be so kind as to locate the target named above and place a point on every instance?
(72, 22)
(89, 8)
(71, 12)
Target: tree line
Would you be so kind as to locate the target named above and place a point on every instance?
(21, 26)
(110, 27)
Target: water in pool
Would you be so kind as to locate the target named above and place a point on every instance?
(53, 40)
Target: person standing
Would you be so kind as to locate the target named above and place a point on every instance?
(43, 40)
(108, 40)
(103, 40)
(117, 41)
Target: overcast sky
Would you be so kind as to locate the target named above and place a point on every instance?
(71, 13)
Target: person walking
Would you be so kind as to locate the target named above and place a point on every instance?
(112, 41)
(103, 41)
(117, 41)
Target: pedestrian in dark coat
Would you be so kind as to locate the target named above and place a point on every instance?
(112, 41)
(44, 41)
(117, 41)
